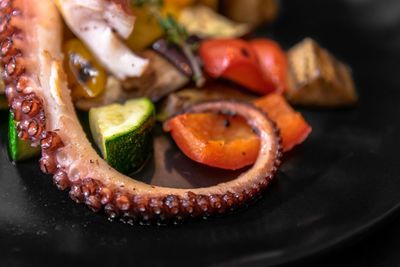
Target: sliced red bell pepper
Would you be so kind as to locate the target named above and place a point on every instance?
(229, 143)
(293, 128)
(273, 61)
(259, 65)
(235, 59)
(215, 140)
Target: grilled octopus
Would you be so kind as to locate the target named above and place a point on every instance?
(39, 99)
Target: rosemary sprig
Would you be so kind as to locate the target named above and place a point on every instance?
(176, 34)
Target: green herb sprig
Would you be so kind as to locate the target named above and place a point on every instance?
(176, 34)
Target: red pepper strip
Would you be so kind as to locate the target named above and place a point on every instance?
(273, 62)
(294, 129)
(235, 59)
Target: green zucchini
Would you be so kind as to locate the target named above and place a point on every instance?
(19, 149)
(123, 133)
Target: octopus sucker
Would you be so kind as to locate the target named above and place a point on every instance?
(40, 101)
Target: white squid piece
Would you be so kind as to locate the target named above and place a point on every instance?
(101, 24)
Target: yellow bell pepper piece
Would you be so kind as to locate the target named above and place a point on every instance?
(179, 3)
(86, 78)
(147, 29)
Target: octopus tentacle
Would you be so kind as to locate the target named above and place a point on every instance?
(17, 64)
(40, 101)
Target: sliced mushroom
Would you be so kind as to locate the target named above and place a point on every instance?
(159, 79)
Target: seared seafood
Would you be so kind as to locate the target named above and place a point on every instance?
(100, 24)
(40, 101)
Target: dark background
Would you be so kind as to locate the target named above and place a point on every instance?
(371, 31)
(378, 247)
(335, 201)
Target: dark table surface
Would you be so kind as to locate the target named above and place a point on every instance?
(379, 246)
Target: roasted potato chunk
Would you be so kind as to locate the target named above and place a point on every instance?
(250, 11)
(316, 78)
(207, 23)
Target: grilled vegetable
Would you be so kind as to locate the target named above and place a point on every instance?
(147, 26)
(123, 133)
(228, 142)
(250, 11)
(273, 61)
(216, 140)
(86, 78)
(113, 93)
(19, 149)
(236, 60)
(173, 53)
(159, 79)
(180, 3)
(206, 23)
(316, 78)
(260, 64)
(183, 99)
(146, 29)
(293, 128)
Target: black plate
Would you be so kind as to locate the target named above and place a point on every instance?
(341, 181)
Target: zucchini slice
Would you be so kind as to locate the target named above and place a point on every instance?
(19, 149)
(123, 133)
